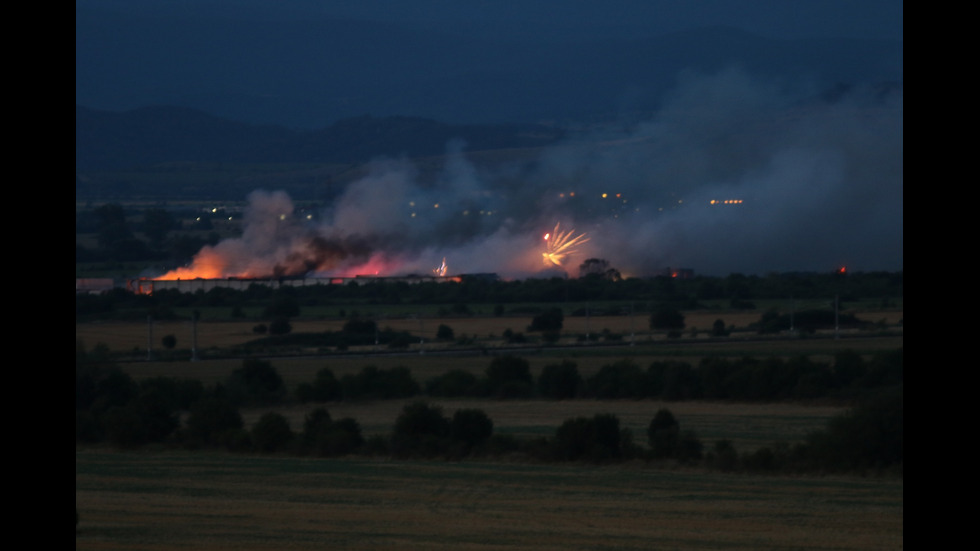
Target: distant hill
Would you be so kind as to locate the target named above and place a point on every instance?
(177, 150)
(152, 135)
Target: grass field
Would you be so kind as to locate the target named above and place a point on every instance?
(161, 501)
(134, 336)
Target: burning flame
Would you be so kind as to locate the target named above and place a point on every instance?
(562, 246)
(441, 270)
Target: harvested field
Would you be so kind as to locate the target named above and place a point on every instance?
(133, 336)
(211, 501)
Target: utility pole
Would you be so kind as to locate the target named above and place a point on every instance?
(586, 323)
(149, 337)
(632, 326)
(194, 316)
(836, 316)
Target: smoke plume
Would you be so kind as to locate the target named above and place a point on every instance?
(732, 174)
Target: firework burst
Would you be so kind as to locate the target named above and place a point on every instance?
(441, 270)
(560, 245)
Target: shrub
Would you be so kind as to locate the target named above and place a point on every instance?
(341, 437)
(471, 427)
(666, 317)
(622, 379)
(454, 383)
(179, 394)
(420, 429)
(868, 437)
(256, 383)
(324, 388)
(271, 433)
(597, 439)
(560, 381)
(551, 320)
(372, 382)
(445, 333)
(663, 434)
(325, 438)
(282, 306)
(723, 456)
(209, 418)
(280, 326)
(361, 327)
(509, 377)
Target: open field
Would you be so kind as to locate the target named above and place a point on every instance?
(178, 500)
(133, 336)
(157, 500)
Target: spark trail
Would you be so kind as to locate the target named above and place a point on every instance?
(560, 245)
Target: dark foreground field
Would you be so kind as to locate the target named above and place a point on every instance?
(215, 501)
(165, 499)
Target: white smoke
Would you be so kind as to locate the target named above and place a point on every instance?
(820, 184)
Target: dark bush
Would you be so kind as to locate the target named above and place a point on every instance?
(256, 383)
(315, 421)
(869, 437)
(665, 317)
(123, 427)
(551, 320)
(471, 427)
(324, 388)
(454, 383)
(623, 379)
(271, 433)
(209, 419)
(169, 342)
(179, 394)
(282, 307)
(361, 327)
(681, 382)
(560, 381)
(280, 326)
(663, 434)
(323, 437)
(420, 430)
(445, 333)
(341, 437)
(509, 377)
(597, 439)
(374, 383)
(723, 456)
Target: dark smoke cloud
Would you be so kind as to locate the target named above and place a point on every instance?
(820, 180)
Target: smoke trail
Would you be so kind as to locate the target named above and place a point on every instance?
(819, 183)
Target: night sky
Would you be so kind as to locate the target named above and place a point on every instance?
(793, 110)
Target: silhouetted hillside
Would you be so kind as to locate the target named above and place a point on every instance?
(106, 141)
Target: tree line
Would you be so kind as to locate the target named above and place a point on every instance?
(112, 408)
(606, 296)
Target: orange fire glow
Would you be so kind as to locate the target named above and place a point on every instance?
(208, 264)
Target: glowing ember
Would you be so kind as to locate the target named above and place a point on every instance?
(560, 245)
(441, 270)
